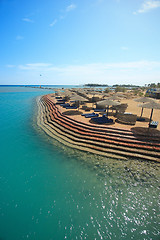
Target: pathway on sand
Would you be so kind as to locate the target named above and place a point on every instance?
(103, 140)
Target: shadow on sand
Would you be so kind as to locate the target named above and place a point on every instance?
(149, 134)
(72, 112)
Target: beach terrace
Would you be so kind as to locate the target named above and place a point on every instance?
(63, 117)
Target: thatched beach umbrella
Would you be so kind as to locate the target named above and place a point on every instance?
(151, 105)
(57, 93)
(94, 97)
(91, 92)
(57, 90)
(114, 98)
(78, 99)
(121, 95)
(66, 93)
(143, 100)
(106, 95)
(106, 103)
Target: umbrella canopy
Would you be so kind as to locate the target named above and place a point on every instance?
(78, 98)
(151, 105)
(92, 92)
(114, 98)
(121, 95)
(67, 93)
(106, 95)
(106, 103)
(57, 93)
(143, 100)
(57, 89)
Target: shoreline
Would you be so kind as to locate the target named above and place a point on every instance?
(108, 141)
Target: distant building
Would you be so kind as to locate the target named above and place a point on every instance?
(153, 92)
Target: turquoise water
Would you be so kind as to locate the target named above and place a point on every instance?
(48, 191)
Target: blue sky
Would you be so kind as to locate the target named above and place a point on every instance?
(79, 41)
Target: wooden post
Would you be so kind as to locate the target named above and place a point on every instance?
(141, 112)
(151, 115)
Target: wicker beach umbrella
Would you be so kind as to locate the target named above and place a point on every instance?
(53, 95)
(121, 95)
(58, 90)
(106, 95)
(106, 103)
(67, 93)
(91, 89)
(151, 105)
(114, 98)
(57, 93)
(82, 92)
(94, 96)
(91, 92)
(78, 99)
(143, 100)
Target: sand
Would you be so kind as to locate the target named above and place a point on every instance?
(143, 143)
(132, 108)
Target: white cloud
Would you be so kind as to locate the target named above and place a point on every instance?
(98, 66)
(10, 66)
(138, 72)
(35, 66)
(64, 13)
(124, 48)
(27, 20)
(70, 7)
(19, 37)
(53, 23)
(148, 5)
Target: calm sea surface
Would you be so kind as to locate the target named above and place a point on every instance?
(48, 191)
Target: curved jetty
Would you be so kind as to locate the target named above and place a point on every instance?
(102, 140)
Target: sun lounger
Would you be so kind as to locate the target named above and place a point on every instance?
(99, 110)
(60, 103)
(140, 119)
(89, 115)
(58, 97)
(65, 105)
(71, 107)
(60, 100)
(102, 120)
(153, 124)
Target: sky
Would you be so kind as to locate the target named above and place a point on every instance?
(76, 42)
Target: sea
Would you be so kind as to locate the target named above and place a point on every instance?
(51, 192)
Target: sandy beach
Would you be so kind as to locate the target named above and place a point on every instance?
(132, 108)
(120, 141)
